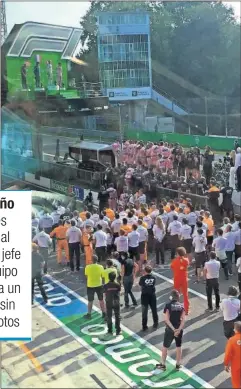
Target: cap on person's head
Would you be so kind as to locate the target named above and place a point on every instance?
(174, 295)
(112, 276)
(232, 291)
(212, 255)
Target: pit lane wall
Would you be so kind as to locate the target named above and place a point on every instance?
(219, 143)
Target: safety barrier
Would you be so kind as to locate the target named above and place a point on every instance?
(197, 200)
(218, 143)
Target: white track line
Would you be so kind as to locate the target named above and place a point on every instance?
(129, 332)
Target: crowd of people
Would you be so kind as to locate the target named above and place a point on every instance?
(133, 231)
(164, 163)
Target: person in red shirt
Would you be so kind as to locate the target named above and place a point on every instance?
(232, 357)
(179, 267)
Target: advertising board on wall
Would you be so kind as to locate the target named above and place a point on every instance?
(122, 94)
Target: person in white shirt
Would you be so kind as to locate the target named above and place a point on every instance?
(131, 218)
(226, 222)
(192, 218)
(231, 307)
(100, 240)
(219, 244)
(116, 225)
(43, 241)
(230, 246)
(143, 239)
(164, 216)
(133, 243)
(186, 237)
(149, 222)
(159, 234)
(95, 217)
(238, 264)
(142, 197)
(73, 236)
(35, 221)
(199, 226)
(103, 223)
(235, 226)
(121, 243)
(46, 221)
(238, 242)
(199, 243)
(211, 273)
(174, 229)
(122, 213)
(88, 221)
(60, 208)
(78, 220)
(171, 214)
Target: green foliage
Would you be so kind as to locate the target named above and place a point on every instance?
(199, 41)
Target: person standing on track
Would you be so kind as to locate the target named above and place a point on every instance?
(87, 244)
(62, 244)
(112, 299)
(133, 243)
(219, 244)
(44, 241)
(148, 297)
(174, 319)
(159, 234)
(211, 273)
(95, 274)
(37, 266)
(128, 270)
(100, 240)
(199, 242)
(73, 236)
(231, 307)
(238, 264)
(232, 358)
(179, 267)
(174, 229)
(186, 238)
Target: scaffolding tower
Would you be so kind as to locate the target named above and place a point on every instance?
(3, 21)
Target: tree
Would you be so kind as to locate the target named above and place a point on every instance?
(197, 40)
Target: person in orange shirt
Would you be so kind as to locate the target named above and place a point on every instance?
(125, 226)
(62, 244)
(209, 221)
(166, 206)
(82, 214)
(179, 267)
(87, 245)
(232, 357)
(110, 214)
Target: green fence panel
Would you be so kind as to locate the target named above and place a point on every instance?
(218, 143)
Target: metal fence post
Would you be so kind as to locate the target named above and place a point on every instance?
(226, 116)
(206, 114)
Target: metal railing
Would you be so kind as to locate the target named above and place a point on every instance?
(197, 200)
